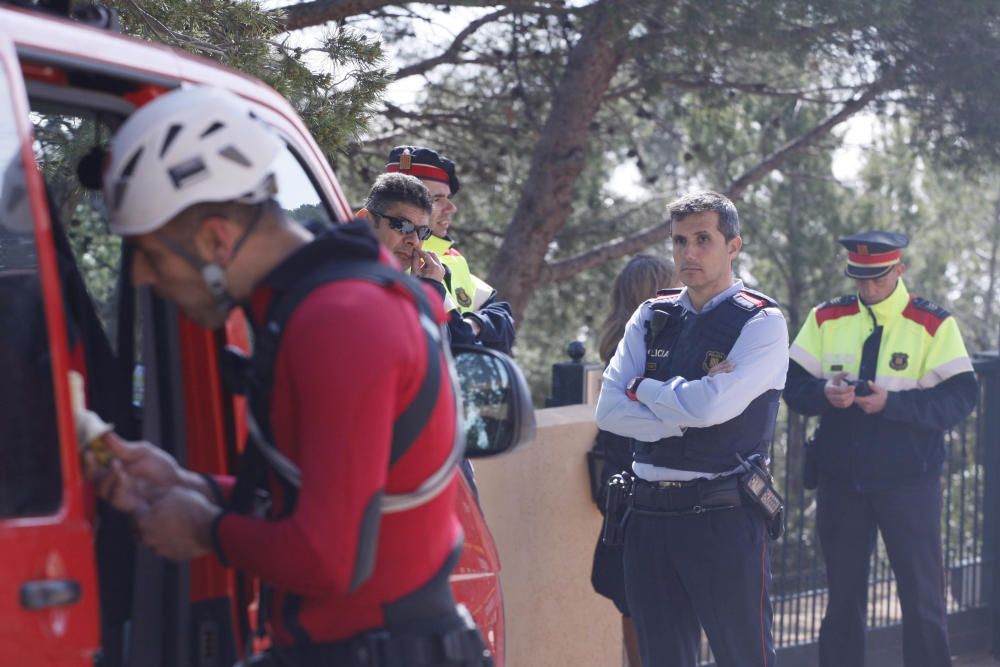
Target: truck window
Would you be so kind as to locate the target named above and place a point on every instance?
(297, 195)
(30, 474)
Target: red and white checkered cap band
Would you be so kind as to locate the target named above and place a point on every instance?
(420, 171)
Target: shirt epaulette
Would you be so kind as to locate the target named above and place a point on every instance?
(927, 314)
(748, 299)
(837, 307)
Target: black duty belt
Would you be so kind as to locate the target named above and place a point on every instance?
(460, 647)
(682, 498)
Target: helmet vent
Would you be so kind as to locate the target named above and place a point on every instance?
(119, 193)
(172, 133)
(183, 173)
(230, 152)
(212, 128)
(130, 166)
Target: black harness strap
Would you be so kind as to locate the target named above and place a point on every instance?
(410, 423)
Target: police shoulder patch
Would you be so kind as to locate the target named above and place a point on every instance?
(932, 308)
(844, 300)
(927, 314)
(836, 308)
(671, 292)
(749, 299)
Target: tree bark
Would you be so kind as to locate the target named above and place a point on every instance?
(559, 156)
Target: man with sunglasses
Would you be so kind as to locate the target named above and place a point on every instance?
(475, 300)
(398, 208)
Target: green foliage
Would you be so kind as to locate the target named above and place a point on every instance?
(60, 141)
(952, 219)
(334, 86)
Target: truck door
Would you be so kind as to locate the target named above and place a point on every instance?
(48, 593)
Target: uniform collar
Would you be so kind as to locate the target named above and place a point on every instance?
(438, 245)
(892, 306)
(737, 286)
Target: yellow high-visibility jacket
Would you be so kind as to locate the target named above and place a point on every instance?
(920, 359)
(467, 291)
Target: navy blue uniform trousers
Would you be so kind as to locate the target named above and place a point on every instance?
(909, 517)
(713, 569)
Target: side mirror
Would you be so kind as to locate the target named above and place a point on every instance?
(497, 411)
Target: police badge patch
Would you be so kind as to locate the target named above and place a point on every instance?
(712, 359)
(463, 297)
(899, 361)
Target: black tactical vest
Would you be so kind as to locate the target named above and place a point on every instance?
(686, 344)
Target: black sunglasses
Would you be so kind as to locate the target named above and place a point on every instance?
(404, 226)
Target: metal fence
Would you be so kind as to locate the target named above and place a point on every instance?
(970, 523)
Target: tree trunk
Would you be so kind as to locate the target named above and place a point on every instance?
(559, 156)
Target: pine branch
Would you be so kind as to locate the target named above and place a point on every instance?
(452, 55)
(318, 12)
(566, 268)
(804, 141)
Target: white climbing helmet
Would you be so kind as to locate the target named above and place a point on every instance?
(189, 146)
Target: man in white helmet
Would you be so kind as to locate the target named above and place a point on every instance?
(361, 534)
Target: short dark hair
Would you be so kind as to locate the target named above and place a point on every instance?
(390, 189)
(704, 202)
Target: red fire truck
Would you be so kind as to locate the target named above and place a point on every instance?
(74, 588)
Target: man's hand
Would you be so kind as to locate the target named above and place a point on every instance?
(874, 402)
(178, 525)
(839, 393)
(474, 323)
(138, 474)
(724, 366)
(427, 264)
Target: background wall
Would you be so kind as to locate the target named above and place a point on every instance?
(537, 504)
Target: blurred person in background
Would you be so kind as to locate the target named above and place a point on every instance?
(639, 281)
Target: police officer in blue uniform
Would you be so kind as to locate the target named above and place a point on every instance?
(887, 373)
(695, 383)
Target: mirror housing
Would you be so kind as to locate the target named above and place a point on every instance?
(497, 414)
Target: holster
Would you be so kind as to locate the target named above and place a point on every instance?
(758, 488)
(616, 508)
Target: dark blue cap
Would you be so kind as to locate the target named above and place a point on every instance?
(873, 254)
(423, 163)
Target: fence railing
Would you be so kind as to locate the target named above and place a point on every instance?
(970, 525)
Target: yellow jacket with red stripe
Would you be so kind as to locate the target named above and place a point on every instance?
(922, 362)
(467, 291)
(473, 298)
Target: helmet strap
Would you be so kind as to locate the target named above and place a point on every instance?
(213, 274)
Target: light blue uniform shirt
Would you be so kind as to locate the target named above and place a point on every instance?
(665, 409)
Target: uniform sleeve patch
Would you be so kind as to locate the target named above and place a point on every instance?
(926, 314)
(752, 301)
(833, 309)
(760, 299)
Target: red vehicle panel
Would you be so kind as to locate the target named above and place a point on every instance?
(48, 599)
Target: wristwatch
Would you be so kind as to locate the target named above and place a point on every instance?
(633, 386)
